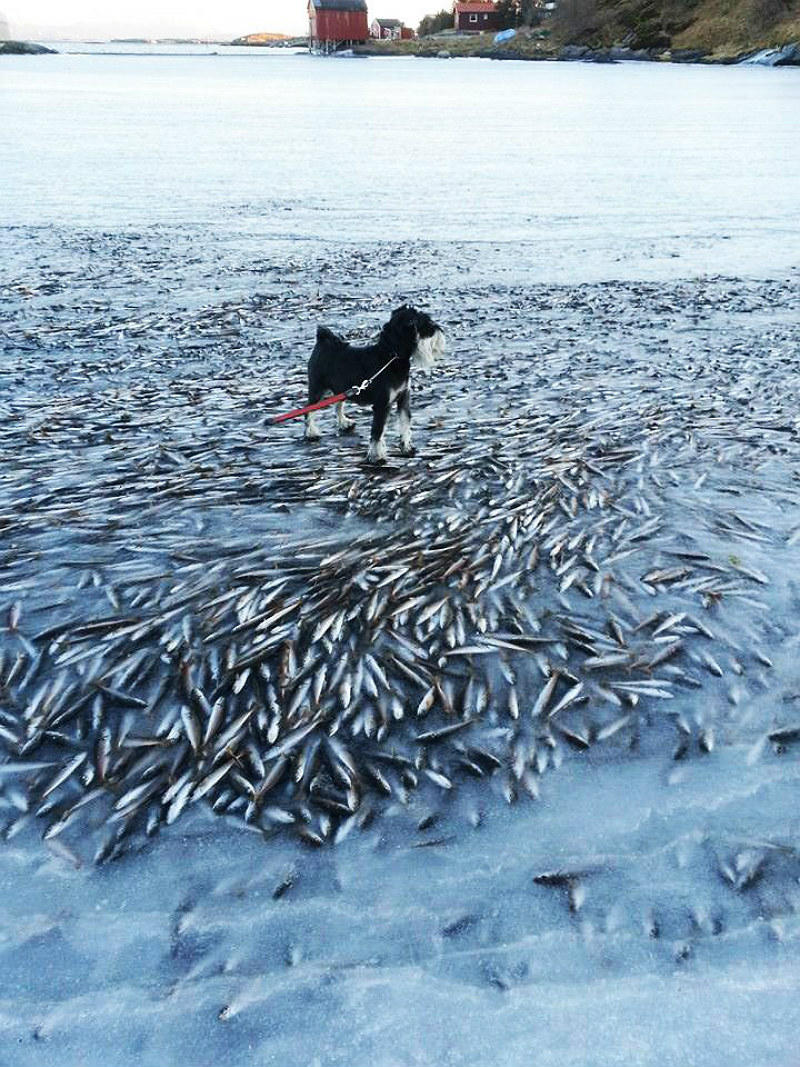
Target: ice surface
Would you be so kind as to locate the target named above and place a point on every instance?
(644, 909)
(401, 955)
(634, 170)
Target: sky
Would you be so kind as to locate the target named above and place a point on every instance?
(199, 18)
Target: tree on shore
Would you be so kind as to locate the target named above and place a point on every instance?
(763, 14)
(435, 23)
(575, 18)
(515, 13)
(508, 12)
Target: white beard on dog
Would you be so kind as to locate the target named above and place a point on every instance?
(428, 350)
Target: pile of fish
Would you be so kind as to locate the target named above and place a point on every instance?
(204, 610)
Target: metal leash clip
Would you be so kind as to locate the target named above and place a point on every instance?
(357, 390)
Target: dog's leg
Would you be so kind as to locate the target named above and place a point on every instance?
(404, 423)
(377, 447)
(346, 425)
(316, 391)
(312, 428)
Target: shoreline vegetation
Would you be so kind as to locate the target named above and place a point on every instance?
(766, 32)
(728, 41)
(533, 48)
(532, 45)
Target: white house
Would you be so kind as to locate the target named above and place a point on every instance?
(386, 29)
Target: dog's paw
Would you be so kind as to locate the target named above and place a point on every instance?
(377, 461)
(407, 450)
(347, 427)
(376, 453)
(312, 438)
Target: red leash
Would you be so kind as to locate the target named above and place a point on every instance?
(351, 394)
(311, 407)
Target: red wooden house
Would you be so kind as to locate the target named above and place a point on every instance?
(475, 16)
(336, 24)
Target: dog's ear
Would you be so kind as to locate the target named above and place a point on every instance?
(426, 327)
(400, 331)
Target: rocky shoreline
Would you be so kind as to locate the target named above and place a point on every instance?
(784, 56)
(787, 56)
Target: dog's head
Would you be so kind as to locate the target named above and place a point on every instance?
(414, 335)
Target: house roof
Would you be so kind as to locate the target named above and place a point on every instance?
(470, 7)
(389, 24)
(340, 5)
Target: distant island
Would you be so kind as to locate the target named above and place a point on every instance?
(163, 40)
(271, 40)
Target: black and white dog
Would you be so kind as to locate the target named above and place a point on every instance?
(409, 338)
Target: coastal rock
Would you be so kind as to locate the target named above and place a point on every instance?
(444, 54)
(687, 55)
(787, 56)
(573, 51)
(505, 53)
(622, 52)
(587, 55)
(24, 48)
